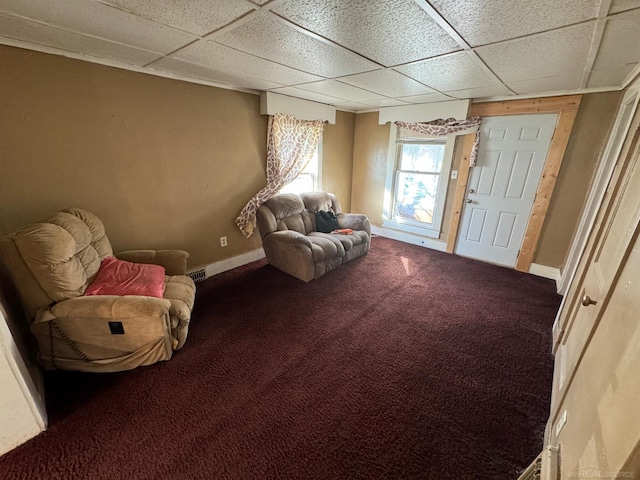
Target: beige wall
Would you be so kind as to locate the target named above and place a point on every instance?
(337, 157)
(370, 150)
(594, 120)
(586, 144)
(164, 163)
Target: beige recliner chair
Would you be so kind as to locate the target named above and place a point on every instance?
(53, 262)
(287, 225)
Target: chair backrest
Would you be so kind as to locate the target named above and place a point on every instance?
(316, 201)
(284, 212)
(55, 260)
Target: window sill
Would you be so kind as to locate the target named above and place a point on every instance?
(424, 232)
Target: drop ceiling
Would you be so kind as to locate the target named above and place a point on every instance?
(358, 55)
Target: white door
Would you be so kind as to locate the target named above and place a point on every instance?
(503, 185)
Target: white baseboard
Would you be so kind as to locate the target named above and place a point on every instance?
(409, 238)
(233, 262)
(551, 273)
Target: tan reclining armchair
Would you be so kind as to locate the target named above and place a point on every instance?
(287, 225)
(53, 262)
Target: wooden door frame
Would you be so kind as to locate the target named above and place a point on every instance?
(567, 108)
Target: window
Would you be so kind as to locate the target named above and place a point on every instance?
(419, 183)
(309, 179)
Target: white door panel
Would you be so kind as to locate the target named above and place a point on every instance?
(502, 186)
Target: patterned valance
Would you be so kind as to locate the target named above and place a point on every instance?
(442, 127)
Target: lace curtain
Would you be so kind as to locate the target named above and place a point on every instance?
(291, 143)
(441, 127)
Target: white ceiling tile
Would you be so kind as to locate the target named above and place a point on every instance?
(353, 106)
(621, 43)
(102, 21)
(340, 90)
(195, 16)
(385, 102)
(610, 77)
(622, 5)
(481, 92)
(390, 32)
(488, 21)
(430, 98)
(543, 55)
(180, 67)
(20, 29)
(450, 72)
(387, 82)
(307, 95)
(272, 39)
(549, 84)
(223, 58)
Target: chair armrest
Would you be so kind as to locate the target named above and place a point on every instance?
(173, 261)
(291, 252)
(289, 236)
(107, 306)
(80, 333)
(354, 221)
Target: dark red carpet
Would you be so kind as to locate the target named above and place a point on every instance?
(407, 363)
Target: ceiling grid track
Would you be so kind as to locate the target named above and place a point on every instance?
(442, 22)
(598, 34)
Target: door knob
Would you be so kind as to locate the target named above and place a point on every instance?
(586, 301)
(468, 200)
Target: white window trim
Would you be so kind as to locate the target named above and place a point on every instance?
(434, 229)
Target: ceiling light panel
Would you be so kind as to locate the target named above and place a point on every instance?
(390, 32)
(621, 43)
(102, 21)
(622, 5)
(550, 84)
(451, 72)
(20, 29)
(269, 38)
(387, 82)
(609, 76)
(340, 90)
(180, 67)
(481, 92)
(223, 58)
(195, 16)
(543, 55)
(481, 22)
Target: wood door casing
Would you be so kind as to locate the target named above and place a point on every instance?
(567, 108)
(503, 185)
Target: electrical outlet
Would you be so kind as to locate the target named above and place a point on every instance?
(223, 241)
(454, 174)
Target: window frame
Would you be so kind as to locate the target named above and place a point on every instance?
(316, 176)
(390, 220)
